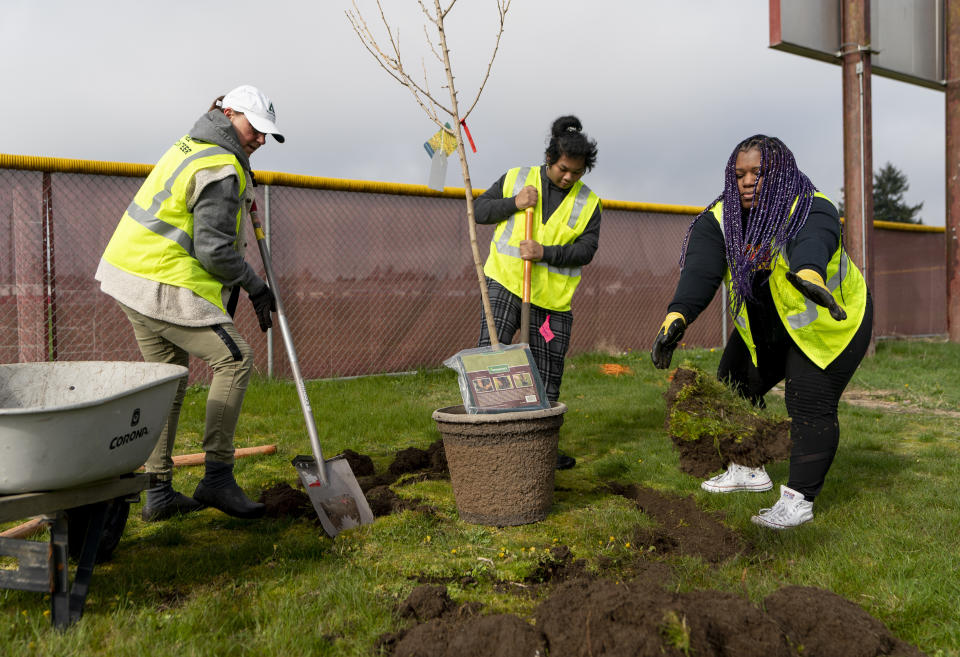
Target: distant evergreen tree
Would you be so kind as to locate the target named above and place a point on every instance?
(889, 186)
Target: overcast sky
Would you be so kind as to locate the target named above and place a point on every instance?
(666, 88)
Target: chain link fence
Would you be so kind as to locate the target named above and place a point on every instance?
(374, 277)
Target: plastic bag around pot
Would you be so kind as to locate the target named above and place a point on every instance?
(501, 379)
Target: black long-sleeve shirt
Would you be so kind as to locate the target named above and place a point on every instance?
(706, 262)
(491, 208)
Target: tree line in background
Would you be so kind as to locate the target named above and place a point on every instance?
(889, 186)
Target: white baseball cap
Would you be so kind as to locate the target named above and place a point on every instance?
(256, 107)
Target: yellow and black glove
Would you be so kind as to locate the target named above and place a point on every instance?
(811, 285)
(667, 339)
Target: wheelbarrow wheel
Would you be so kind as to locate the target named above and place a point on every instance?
(78, 519)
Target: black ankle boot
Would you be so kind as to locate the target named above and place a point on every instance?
(220, 490)
(565, 462)
(163, 502)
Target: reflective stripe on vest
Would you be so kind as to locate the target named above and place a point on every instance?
(154, 239)
(809, 314)
(820, 337)
(552, 287)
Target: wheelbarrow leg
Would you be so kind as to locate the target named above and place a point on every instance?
(59, 581)
(66, 603)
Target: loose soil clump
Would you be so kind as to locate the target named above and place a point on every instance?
(642, 615)
(284, 501)
(712, 426)
(830, 626)
(426, 604)
(682, 527)
(603, 618)
(360, 464)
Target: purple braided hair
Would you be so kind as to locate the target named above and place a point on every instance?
(752, 244)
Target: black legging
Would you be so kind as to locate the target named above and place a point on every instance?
(811, 395)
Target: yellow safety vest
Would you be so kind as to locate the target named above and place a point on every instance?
(154, 239)
(551, 287)
(816, 333)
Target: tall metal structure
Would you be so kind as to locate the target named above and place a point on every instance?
(914, 41)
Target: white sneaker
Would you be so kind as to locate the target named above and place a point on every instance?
(739, 477)
(789, 511)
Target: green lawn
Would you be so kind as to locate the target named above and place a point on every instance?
(884, 535)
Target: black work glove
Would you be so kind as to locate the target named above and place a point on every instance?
(667, 340)
(811, 286)
(263, 303)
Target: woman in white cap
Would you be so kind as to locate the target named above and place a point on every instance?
(175, 265)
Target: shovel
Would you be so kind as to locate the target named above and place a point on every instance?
(527, 268)
(331, 485)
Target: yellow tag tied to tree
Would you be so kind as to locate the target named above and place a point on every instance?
(444, 141)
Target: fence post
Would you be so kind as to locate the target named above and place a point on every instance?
(29, 277)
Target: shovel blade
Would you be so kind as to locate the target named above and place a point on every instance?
(340, 503)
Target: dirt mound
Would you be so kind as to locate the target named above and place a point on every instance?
(501, 635)
(427, 605)
(284, 501)
(430, 463)
(641, 614)
(433, 460)
(682, 527)
(712, 426)
(830, 626)
(603, 618)
(360, 464)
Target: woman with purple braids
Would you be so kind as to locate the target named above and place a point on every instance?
(801, 308)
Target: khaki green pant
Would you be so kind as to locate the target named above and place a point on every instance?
(230, 358)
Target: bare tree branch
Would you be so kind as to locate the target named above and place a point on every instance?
(430, 43)
(447, 10)
(393, 65)
(426, 12)
(502, 7)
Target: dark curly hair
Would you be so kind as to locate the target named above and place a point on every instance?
(567, 138)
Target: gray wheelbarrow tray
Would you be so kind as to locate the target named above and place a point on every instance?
(64, 424)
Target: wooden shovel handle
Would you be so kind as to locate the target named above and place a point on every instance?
(239, 453)
(25, 530)
(527, 265)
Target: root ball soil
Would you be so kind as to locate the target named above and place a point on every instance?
(712, 426)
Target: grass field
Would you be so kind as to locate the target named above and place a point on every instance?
(884, 534)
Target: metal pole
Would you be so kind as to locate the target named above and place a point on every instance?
(952, 129)
(266, 230)
(855, 51)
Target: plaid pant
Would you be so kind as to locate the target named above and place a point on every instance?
(548, 356)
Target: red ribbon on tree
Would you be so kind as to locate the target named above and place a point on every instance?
(463, 122)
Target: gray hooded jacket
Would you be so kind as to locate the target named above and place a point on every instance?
(213, 198)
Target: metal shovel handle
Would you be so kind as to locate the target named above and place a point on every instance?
(288, 344)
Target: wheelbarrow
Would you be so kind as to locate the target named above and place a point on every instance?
(71, 436)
